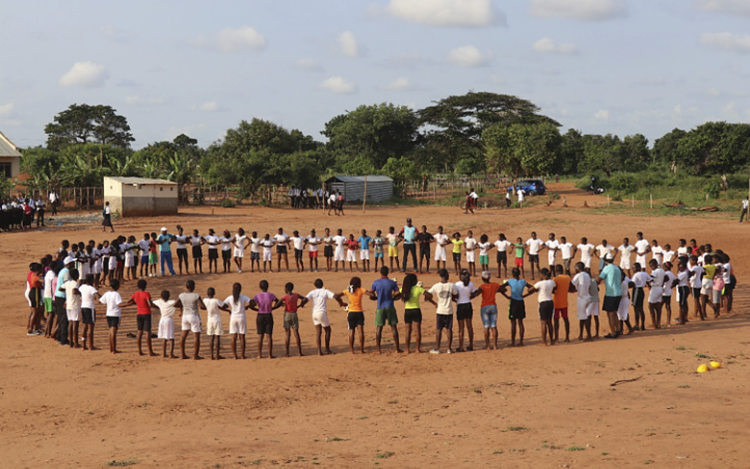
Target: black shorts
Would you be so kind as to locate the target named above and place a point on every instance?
(464, 311)
(298, 253)
(264, 323)
(638, 296)
(226, 254)
(424, 251)
(534, 258)
(355, 318)
(35, 297)
(696, 293)
(611, 304)
(516, 309)
(684, 292)
(413, 315)
(280, 249)
(546, 310)
(502, 258)
(113, 321)
(444, 321)
(666, 300)
(328, 251)
(105, 265)
(254, 256)
(456, 257)
(144, 322)
(197, 252)
(88, 315)
(213, 254)
(181, 253)
(728, 287)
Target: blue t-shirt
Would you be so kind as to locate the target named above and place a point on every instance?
(516, 288)
(612, 280)
(163, 242)
(384, 288)
(62, 277)
(410, 232)
(364, 242)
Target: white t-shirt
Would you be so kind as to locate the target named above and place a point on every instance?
(312, 243)
(642, 246)
(464, 292)
(319, 298)
(212, 308)
(625, 251)
(683, 278)
(545, 288)
(604, 250)
(640, 279)
(181, 241)
(582, 282)
(502, 246)
(443, 295)
(298, 242)
(668, 256)
(696, 279)
(470, 244)
(587, 250)
(237, 308)
(48, 278)
(534, 245)
(239, 241)
(552, 245)
(112, 299)
(281, 238)
(212, 241)
(255, 244)
(72, 301)
(226, 243)
(166, 308)
(682, 251)
(566, 249)
(441, 239)
(88, 294)
(657, 278)
(520, 195)
(668, 279)
(267, 245)
(657, 252)
(339, 241)
(483, 247)
(144, 243)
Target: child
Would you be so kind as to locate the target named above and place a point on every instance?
(546, 288)
(484, 253)
(255, 243)
(696, 277)
(410, 292)
(240, 243)
(625, 252)
(113, 300)
(130, 266)
(355, 317)
(535, 246)
(393, 241)
(73, 307)
(153, 257)
(237, 304)
(581, 283)
(364, 251)
(668, 254)
(320, 297)
(656, 292)
(190, 302)
(35, 284)
(328, 249)
(587, 253)
(517, 306)
(464, 311)
(89, 295)
(562, 283)
(489, 310)
(264, 303)
(519, 248)
(457, 243)
(622, 312)
(167, 309)
(351, 252)
(593, 309)
(267, 244)
(291, 321)
(657, 252)
(640, 279)
(226, 251)
(502, 244)
(105, 250)
(143, 248)
(669, 279)
(470, 245)
(446, 293)
(50, 286)
(313, 241)
(683, 291)
(441, 241)
(197, 241)
(299, 248)
(213, 253)
(214, 306)
(378, 242)
(142, 299)
(552, 246)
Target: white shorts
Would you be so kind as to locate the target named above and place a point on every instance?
(238, 325)
(593, 309)
(267, 256)
(214, 327)
(654, 296)
(469, 256)
(338, 254)
(239, 252)
(320, 318)
(166, 328)
(551, 260)
(587, 262)
(86, 269)
(625, 263)
(582, 308)
(707, 286)
(112, 263)
(364, 254)
(74, 314)
(351, 256)
(128, 261)
(622, 310)
(191, 323)
(440, 253)
(641, 260)
(97, 267)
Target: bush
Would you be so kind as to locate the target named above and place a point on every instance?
(624, 182)
(712, 188)
(228, 203)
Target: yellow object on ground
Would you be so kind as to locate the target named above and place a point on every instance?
(715, 365)
(703, 368)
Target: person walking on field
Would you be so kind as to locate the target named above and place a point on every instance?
(107, 218)
(745, 205)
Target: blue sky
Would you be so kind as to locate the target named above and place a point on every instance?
(601, 66)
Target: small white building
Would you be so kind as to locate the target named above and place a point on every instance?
(379, 188)
(141, 197)
(10, 158)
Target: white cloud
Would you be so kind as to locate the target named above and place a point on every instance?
(584, 10)
(7, 110)
(348, 45)
(399, 84)
(308, 64)
(338, 85)
(189, 130)
(730, 7)
(602, 115)
(548, 46)
(140, 100)
(209, 106)
(467, 56)
(453, 13)
(239, 39)
(85, 75)
(727, 41)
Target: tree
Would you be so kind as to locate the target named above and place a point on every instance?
(638, 154)
(602, 153)
(570, 153)
(665, 148)
(714, 147)
(81, 124)
(372, 134)
(522, 149)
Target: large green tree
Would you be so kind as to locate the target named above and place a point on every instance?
(82, 123)
(714, 147)
(665, 148)
(522, 149)
(602, 153)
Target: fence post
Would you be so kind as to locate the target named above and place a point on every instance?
(364, 199)
(651, 201)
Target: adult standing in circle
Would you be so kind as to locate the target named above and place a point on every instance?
(409, 235)
(612, 278)
(107, 218)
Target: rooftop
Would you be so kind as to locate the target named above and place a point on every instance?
(8, 148)
(140, 181)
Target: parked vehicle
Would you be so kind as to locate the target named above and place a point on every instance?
(532, 186)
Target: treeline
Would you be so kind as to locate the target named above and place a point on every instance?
(477, 132)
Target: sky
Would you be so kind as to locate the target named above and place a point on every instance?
(199, 68)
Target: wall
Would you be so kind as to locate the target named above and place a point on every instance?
(380, 191)
(15, 164)
(142, 201)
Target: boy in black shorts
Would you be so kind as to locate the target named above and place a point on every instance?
(424, 238)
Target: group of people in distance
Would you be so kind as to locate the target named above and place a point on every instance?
(67, 286)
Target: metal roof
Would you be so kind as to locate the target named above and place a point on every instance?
(139, 181)
(359, 179)
(8, 148)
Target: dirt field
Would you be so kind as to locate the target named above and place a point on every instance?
(517, 407)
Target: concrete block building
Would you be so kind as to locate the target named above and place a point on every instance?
(140, 197)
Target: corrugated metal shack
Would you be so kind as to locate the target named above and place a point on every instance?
(379, 188)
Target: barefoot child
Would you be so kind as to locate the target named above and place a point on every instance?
(264, 303)
(73, 307)
(562, 282)
(640, 279)
(113, 300)
(237, 304)
(89, 295)
(214, 327)
(167, 309)
(517, 306)
(501, 245)
(319, 298)
(190, 302)
(410, 292)
(489, 310)
(470, 246)
(355, 317)
(393, 241)
(484, 253)
(546, 288)
(581, 283)
(291, 321)
(442, 295)
(519, 247)
(683, 290)
(142, 299)
(457, 243)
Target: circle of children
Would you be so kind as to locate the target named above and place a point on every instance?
(67, 287)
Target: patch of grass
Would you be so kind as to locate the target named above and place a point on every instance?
(680, 347)
(385, 455)
(498, 451)
(393, 402)
(517, 429)
(122, 462)
(683, 386)
(604, 453)
(364, 417)
(477, 390)
(335, 438)
(575, 448)
(701, 355)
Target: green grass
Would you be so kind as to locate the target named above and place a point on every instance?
(498, 451)
(575, 448)
(335, 438)
(517, 429)
(701, 355)
(679, 348)
(122, 463)
(385, 455)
